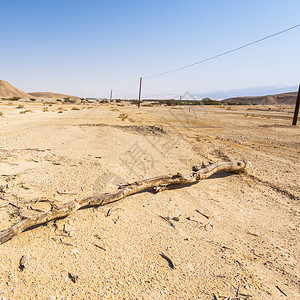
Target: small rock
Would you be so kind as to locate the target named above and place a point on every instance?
(75, 251)
(24, 261)
(66, 228)
(73, 277)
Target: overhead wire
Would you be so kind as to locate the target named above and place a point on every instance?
(127, 86)
(223, 53)
(213, 57)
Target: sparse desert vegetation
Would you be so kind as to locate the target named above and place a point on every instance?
(123, 116)
(239, 209)
(26, 111)
(167, 165)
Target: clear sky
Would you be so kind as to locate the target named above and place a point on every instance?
(87, 48)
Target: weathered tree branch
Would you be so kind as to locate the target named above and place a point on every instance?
(157, 183)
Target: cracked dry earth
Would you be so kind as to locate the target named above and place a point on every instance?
(230, 235)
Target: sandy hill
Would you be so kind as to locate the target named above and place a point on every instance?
(52, 95)
(9, 91)
(279, 99)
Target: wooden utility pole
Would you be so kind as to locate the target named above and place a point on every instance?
(297, 108)
(140, 93)
(110, 97)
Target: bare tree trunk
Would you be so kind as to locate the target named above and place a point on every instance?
(157, 183)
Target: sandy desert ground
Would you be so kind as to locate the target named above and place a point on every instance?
(248, 240)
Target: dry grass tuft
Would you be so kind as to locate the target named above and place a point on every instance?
(123, 116)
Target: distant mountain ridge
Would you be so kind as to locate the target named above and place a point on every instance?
(52, 95)
(249, 92)
(279, 99)
(286, 97)
(220, 95)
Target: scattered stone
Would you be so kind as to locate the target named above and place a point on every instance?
(24, 261)
(73, 277)
(75, 251)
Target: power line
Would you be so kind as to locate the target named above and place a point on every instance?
(224, 53)
(127, 86)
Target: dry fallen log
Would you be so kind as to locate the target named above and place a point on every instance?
(157, 183)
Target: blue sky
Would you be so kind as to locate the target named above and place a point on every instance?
(87, 48)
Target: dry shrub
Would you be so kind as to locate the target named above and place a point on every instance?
(123, 116)
(26, 111)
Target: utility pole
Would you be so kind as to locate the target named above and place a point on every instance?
(140, 92)
(297, 108)
(110, 97)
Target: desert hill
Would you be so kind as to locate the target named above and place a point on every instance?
(52, 95)
(279, 99)
(9, 91)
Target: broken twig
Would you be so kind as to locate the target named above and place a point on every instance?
(281, 290)
(199, 212)
(99, 247)
(171, 264)
(67, 244)
(167, 219)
